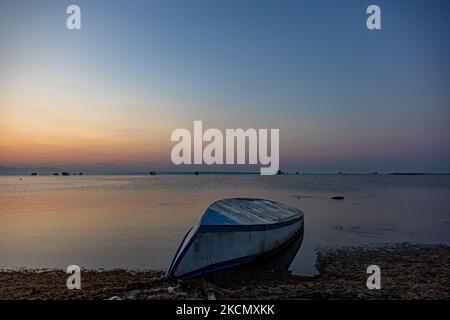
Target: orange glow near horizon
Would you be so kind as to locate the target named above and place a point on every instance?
(30, 138)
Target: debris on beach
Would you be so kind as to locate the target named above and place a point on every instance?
(177, 292)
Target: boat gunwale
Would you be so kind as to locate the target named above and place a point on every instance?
(175, 260)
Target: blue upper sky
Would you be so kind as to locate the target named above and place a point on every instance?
(344, 98)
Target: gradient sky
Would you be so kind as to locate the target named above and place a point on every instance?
(344, 98)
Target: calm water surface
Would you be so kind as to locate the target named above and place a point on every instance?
(138, 221)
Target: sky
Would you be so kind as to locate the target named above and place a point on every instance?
(344, 98)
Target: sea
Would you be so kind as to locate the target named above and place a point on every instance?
(138, 221)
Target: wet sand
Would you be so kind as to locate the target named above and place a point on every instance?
(407, 272)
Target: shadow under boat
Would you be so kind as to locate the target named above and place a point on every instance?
(281, 259)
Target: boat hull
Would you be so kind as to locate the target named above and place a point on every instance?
(211, 248)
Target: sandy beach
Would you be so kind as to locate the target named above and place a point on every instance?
(407, 272)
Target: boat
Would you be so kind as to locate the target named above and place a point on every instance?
(236, 232)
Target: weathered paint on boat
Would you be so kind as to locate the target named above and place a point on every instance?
(233, 232)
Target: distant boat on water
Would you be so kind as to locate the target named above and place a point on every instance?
(236, 232)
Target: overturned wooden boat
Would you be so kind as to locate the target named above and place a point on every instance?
(236, 232)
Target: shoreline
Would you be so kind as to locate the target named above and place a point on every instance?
(216, 173)
(407, 272)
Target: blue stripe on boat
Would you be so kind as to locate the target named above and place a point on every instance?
(214, 217)
(244, 228)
